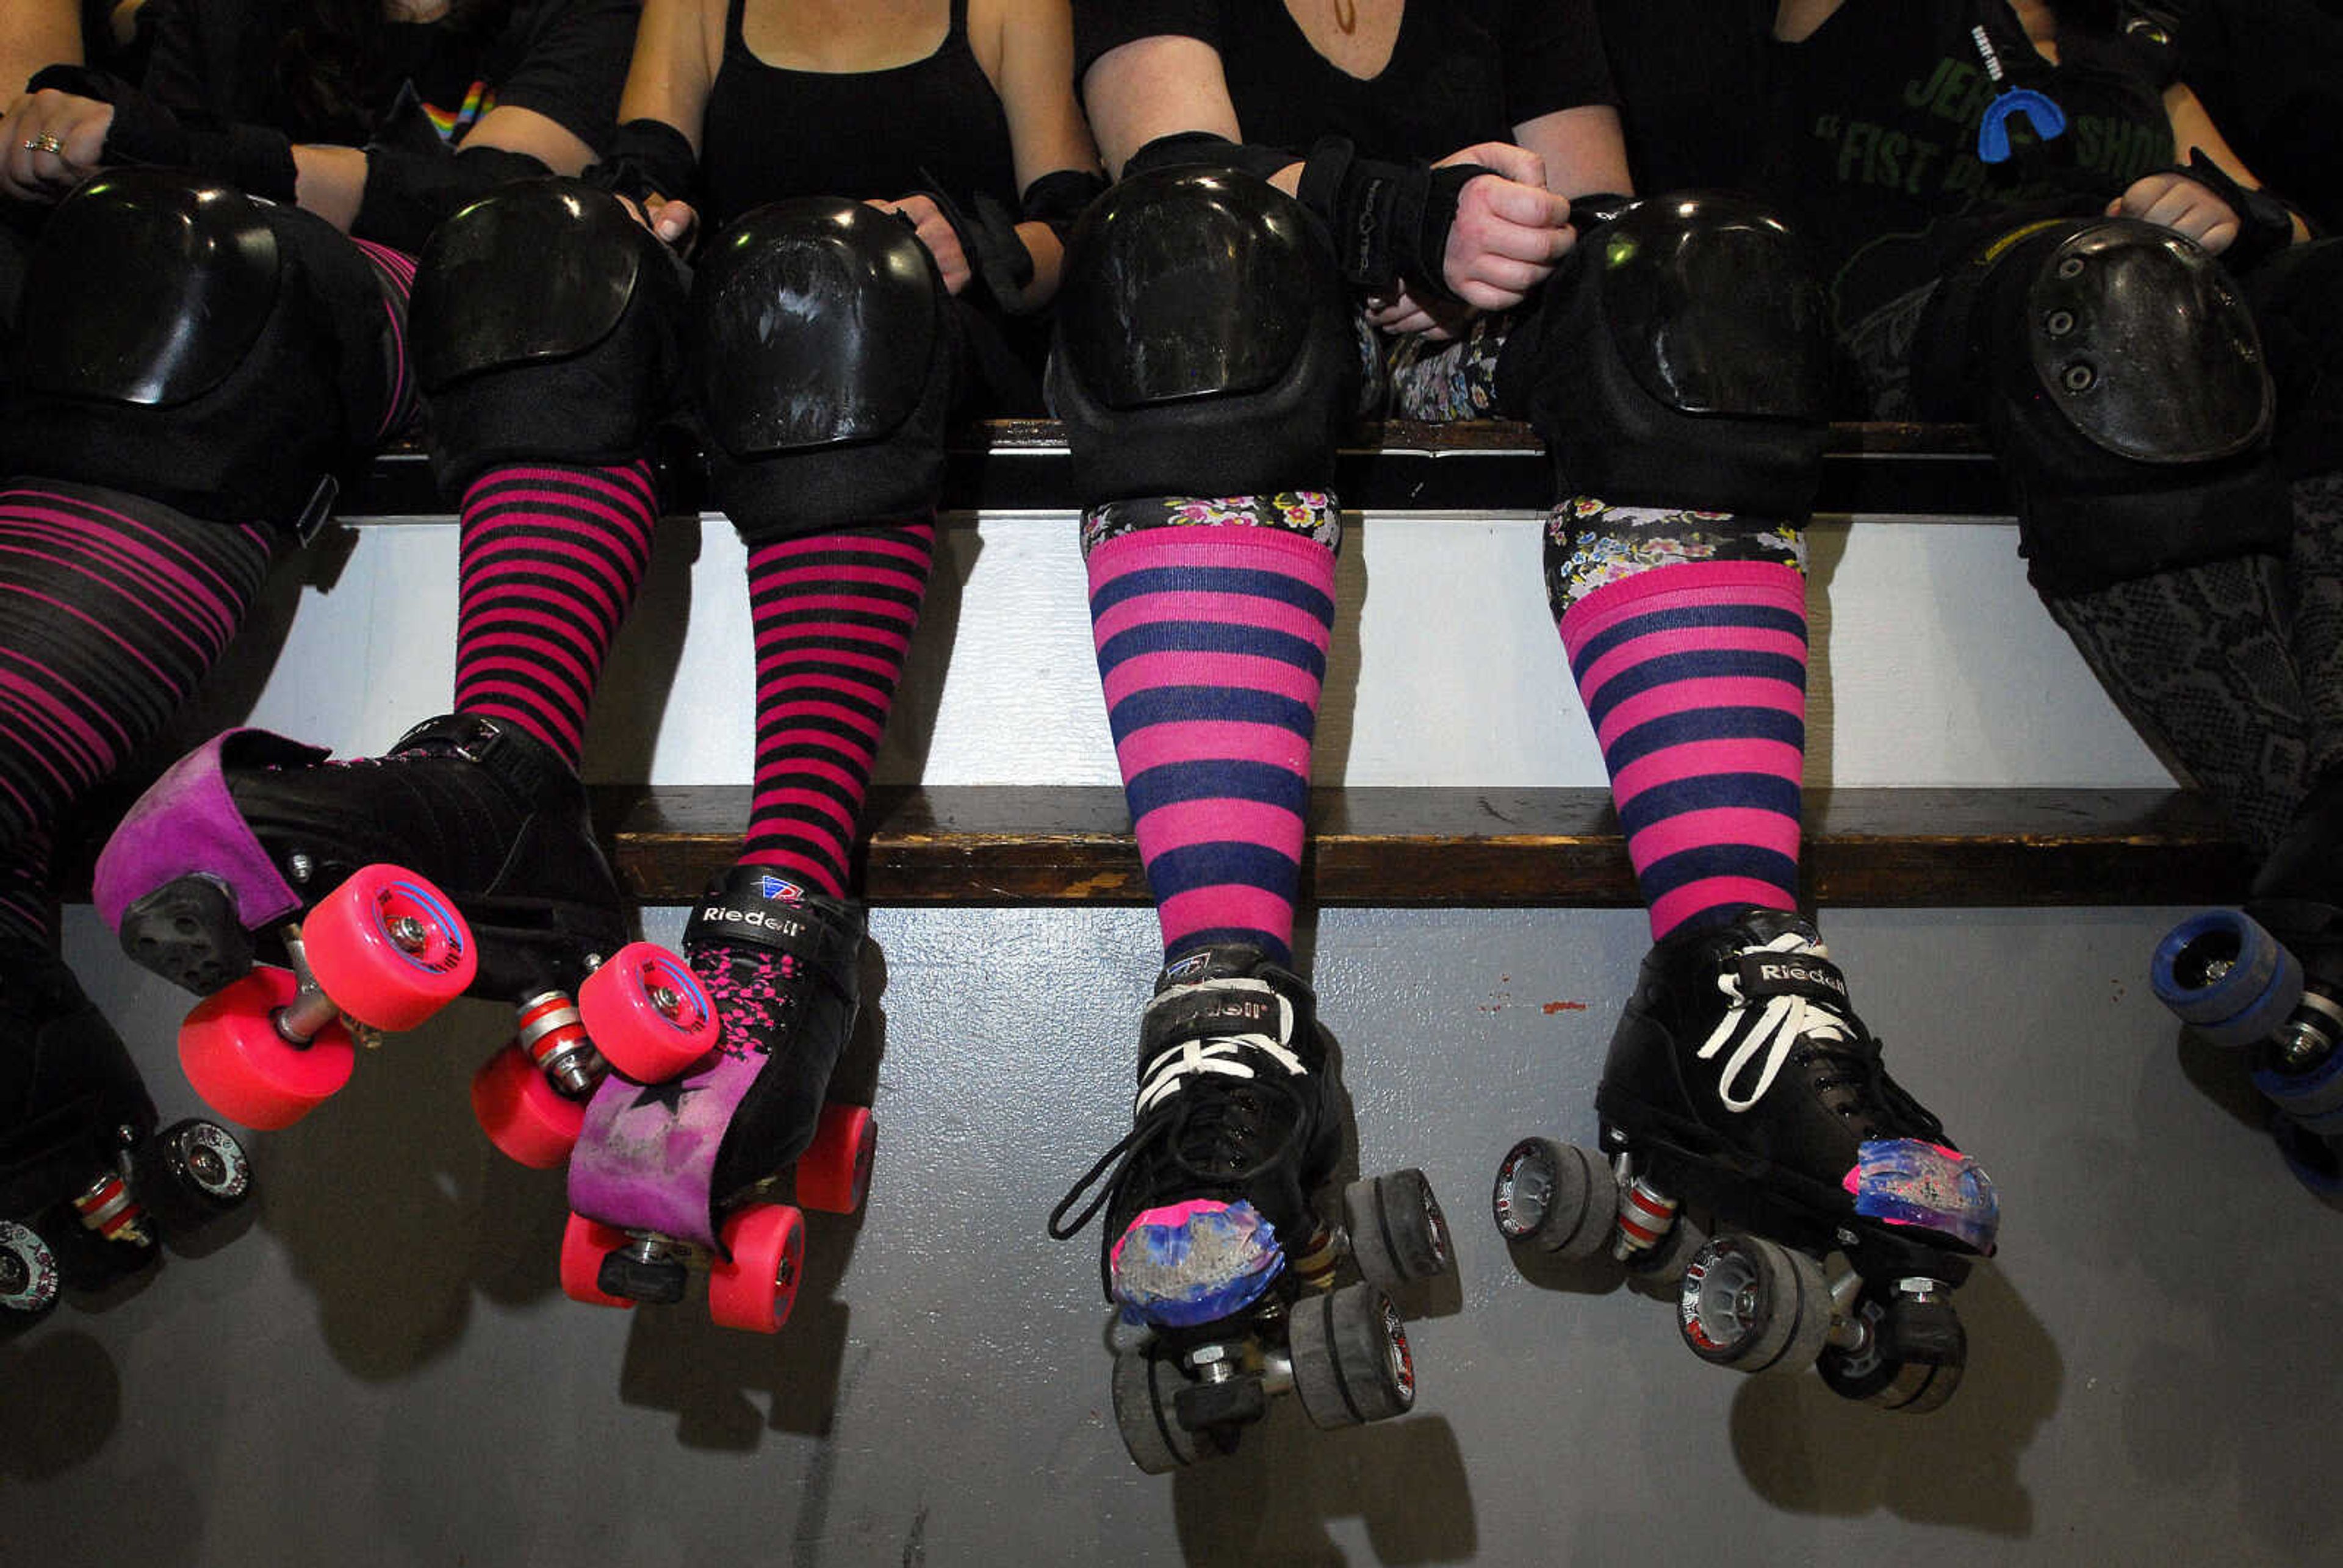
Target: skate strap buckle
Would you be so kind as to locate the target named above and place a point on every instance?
(1762, 975)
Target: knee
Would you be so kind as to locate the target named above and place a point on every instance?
(825, 361)
(1682, 358)
(546, 325)
(1203, 343)
(2123, 384)
(184, 341)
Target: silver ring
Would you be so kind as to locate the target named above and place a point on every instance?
(44, 142)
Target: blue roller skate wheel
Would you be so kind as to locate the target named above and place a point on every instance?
(2314, 1100)
(2317, 1163)
(2257, 987)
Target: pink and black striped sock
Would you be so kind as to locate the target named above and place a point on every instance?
(112, 608)
(552, 555)
(394, 270)
(27, 896)
(1695, 676)
(1211, 645)
(833, 614)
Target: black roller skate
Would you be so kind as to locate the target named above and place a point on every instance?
(87, 1181)
(1741, 1094)
(679, 1175)
(1212, 1240)
(2269, 979)
(310, 901)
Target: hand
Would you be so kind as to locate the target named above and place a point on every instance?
(937, 234)
(78, 126)
(2175, 202)
(675, 223)
(1510, 230)
(1400, 313)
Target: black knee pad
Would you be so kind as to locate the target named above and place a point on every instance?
(825, 355)
(1203, 343)
(2123, 385)
(1680, 358)
(224, 355)
(547, 326)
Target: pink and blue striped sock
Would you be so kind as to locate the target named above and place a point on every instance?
(1695, 676)
(1211, 645)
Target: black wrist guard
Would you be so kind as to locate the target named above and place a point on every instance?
(409, 191)
(2265, 219)
(1060, 197)
(647, 158)
(1201, 149)
(998, 262)
(256, 159)
(1390, 221)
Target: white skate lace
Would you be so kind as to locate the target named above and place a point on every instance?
(1776, 1030)
(1219, 1053)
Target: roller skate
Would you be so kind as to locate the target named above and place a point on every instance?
(678, 1176)
(87, 1182)
(1212, 1240)
(2269, 979)
(1755, 1148)
(317, 906)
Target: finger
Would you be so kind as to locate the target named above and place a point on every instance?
(1538, 246)
(1531, 205)
(1487, 297)
(1518, 164)
(2220, 237)
(1504, 272)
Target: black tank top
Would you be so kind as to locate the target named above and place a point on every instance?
(1876, 118)
(933, 125)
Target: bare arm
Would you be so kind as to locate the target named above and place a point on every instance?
(1161, 86)
(1796, 20)
(1046, 132)
(2185, 205)
(1585, 150)
(34, 34)
(672, 69)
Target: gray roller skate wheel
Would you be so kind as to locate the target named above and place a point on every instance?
(1753, 1305)
(1556, 1197)
(1145, 1386)
(1911, 1362)
(29, 1272)
(1351, 1357)
(1397, 1232)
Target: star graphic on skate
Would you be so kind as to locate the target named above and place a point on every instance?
(668, 1093)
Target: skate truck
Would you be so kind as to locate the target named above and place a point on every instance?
(1215, 1239)
(1753, 1150)
(89, 1181)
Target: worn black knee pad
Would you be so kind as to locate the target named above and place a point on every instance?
(825, 358)
(2123, 385)
(221, 354)
(1681, 357)
(1203, 346)
(547, 326)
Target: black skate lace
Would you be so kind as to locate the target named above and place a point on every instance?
(1207, 1129)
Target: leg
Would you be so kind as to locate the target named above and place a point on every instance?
(821, 485)
(1680, 380)
(1201, 405)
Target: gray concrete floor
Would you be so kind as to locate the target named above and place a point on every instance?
(380, 1369)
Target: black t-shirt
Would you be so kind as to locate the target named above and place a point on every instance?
(1461, 71)
(564, 59)
(1689, 74)
(1874, 136)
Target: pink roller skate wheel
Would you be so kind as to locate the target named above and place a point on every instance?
(523, 1114)
(248, 1071)
(584, 1244)
(755, 1289)
(388, 948)
(647, 1013)
(834, 1172)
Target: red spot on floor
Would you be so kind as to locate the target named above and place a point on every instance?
(1554, 1007)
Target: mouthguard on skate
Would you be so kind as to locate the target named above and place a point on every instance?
(1193, 1263)
(1907, 1181)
